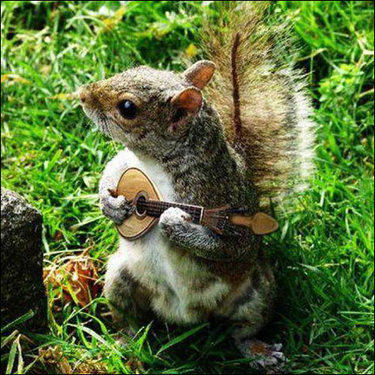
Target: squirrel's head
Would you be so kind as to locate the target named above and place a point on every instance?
(145, 107)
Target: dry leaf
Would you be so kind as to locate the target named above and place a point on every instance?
(83, 280)
(58, 235)
(135, 366)
(53, 356)
(78, 279)
(13, 78)
(90, 367)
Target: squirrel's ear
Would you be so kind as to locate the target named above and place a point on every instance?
(189, 99)
(200, 73)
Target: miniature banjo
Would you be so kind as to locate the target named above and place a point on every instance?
(147, 205)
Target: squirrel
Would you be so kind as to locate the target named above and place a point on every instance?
(249, 139)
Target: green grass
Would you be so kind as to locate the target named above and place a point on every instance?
(51, 155)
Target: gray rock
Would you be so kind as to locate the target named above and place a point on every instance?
(22, 286)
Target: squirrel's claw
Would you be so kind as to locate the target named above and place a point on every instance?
(265, 356)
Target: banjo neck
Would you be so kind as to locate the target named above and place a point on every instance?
(155, 208)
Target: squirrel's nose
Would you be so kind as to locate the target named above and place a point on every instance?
(83, 96)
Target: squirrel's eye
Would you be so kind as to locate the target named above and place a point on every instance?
(127, 109)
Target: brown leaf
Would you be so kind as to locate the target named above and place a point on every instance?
(135, 365)
(90, 367)
(58, 236)
(78, 279)
(53, 356)
(83, 277)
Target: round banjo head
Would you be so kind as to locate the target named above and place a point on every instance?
(132, 184)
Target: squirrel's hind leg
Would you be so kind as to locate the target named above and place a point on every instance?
(128, 299)
(252, 310)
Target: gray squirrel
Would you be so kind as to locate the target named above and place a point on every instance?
(249, 139)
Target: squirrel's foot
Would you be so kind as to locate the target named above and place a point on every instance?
(265, 356)
(173, 220)
(116, 209)
(125, 336)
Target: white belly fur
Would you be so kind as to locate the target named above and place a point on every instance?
(165, 270)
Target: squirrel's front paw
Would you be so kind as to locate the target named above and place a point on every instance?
(173, 218)
(116, 209)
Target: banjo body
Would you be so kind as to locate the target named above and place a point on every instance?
(133, 184)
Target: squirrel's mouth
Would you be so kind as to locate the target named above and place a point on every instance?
(89, 112)
(107, 125)
(97, 118)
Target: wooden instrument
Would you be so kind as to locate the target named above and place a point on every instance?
(147, 205)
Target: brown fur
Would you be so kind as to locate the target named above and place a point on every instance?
(257, 95)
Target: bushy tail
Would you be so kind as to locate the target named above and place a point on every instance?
(260, 96)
